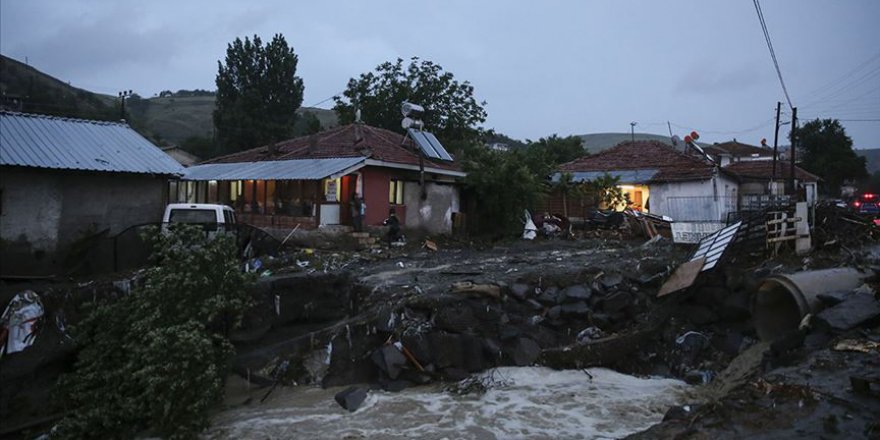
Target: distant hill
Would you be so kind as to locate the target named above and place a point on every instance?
(873, 159)
(173, 119)
(25, 89)
(597, 142)
(167, 120)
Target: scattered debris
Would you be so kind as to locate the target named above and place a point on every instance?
(530, 231)
(861, 346)
(491, 290)
(21, 321)
(430, 244)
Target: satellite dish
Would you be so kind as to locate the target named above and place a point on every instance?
(676, 140)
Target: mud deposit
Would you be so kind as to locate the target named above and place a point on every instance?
(526, 402)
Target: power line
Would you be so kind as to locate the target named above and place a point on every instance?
(822, 91)
(772, 52)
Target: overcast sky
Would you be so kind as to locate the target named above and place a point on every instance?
(544, 67)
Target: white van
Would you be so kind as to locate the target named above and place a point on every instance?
(211, 217)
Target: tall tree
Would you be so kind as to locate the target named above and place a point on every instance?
(451, 111)
(826, 150)
(559, 150)
(258, 93)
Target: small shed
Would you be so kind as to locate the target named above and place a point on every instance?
(64, 180)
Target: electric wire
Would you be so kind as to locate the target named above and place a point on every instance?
(772, 52)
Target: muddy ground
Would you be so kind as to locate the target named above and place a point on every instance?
(335, 316)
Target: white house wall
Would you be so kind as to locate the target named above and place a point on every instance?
(705, 200)
(434, 214)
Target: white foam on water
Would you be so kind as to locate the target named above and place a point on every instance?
(534, 403)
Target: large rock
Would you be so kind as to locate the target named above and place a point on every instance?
(448, 349)
(856, 309)
(617, 301)
(519, 290)
(351, 398)
(576, 293)
(390, 360)
(550, 295)
(524, 352)
(575, 309)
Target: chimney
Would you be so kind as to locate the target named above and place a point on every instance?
(313, 143)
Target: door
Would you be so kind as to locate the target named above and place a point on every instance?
(346, 193)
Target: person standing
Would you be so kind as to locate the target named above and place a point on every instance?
(357, 210)
(393, 224)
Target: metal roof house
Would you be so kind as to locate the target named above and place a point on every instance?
(63, 180)
(308, 181)
(658, 178)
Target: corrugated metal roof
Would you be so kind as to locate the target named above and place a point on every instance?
(297, 169)
(74, 144)
(626, 176)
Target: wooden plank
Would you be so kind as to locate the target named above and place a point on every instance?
(683, 277)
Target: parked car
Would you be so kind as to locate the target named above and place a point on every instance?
(869, 208)
(210, 216)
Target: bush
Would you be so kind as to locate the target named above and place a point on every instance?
(156, 359)
(504, 184)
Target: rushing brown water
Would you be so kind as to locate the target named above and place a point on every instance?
(531, 403)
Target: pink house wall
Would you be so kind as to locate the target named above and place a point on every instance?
(376, 183)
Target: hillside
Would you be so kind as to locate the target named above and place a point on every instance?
(25, 89)
(166, 120)
(872, 157)
(597, 142)
(172, 120)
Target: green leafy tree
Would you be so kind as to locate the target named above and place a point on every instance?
(156, 358)
(505, 184)
(451, 111)
(307, 124)
(607, 192)
(568, 188)
(825, 150)
(258, 93)
(558, 149)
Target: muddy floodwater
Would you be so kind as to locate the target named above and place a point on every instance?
(526, 402)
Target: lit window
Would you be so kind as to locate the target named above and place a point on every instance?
(395, 192)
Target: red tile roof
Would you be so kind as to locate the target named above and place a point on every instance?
(763, 170)
(738, 149)
(350, 140)
(672, 165)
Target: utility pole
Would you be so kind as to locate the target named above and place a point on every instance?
(122, 95)
(632, 131)
(775, 144)
(793, 148)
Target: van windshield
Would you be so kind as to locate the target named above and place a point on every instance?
(193, 216)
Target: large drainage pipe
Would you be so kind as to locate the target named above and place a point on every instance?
(782, 301)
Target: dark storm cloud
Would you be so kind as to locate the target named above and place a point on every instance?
(566, 67)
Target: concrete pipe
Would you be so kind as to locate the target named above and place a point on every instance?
(782, 301)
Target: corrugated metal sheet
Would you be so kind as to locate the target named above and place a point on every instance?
(73, 144)
(712, 247)
(298, 169)
(626, 176)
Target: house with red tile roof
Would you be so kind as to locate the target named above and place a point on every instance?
(662, 180)
(755, 177)
(310, 181)
(734, 151)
